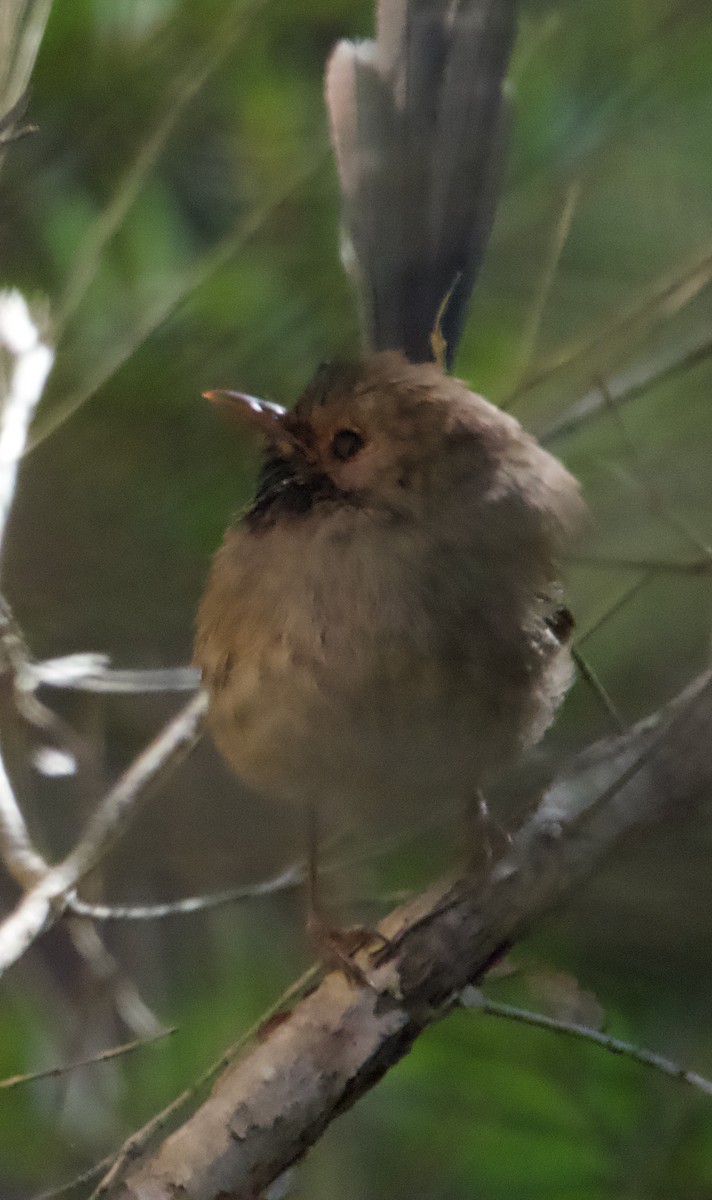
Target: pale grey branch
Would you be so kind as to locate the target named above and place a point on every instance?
(291, 877)
(91, 673)
(270, 1106)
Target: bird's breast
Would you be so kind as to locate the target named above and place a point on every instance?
(341, 669)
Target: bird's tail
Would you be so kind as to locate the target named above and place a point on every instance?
(417, 121)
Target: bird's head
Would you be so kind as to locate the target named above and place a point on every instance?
(392, 436)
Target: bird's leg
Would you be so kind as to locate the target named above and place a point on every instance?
(487, 839)
(334, 945)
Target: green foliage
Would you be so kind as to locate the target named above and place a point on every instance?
(178, 213)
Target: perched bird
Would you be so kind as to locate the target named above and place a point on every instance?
(383, 627)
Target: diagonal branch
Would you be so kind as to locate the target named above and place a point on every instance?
(270, 1106)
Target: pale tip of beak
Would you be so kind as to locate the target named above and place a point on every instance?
(220, 395)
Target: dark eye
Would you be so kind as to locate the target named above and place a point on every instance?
(345, 444)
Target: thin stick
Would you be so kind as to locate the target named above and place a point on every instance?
(562, 230)
(104, 1056)
(615, 607)
(91, 673)
(88, 259)
(25, 864)
(669, 297)
(32, 363)
(624, 389)
(699, 566)
(647, 1058)
(71, 1184)
(152, 320)
(45, 902)
(287, 880)
(599, 691)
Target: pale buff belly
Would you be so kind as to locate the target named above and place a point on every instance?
(362, 738)
(355, 678)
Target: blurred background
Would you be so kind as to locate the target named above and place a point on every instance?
(175, 224)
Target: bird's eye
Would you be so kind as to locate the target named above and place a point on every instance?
(345, 444)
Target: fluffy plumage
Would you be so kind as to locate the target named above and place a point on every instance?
(383, 627)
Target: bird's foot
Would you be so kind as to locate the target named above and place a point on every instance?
(336, 947)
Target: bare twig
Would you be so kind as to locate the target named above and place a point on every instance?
(111, 979)
(45, 902)
(699, 566)
(472, 998)
(589, 675)
(620, 602)
(87, 673)
(626, 387)
(29, 362)
(21, 31)
(89, 257)
(292, 877)
(669, 297)
(25, 864)
(32, 361)
(151, 320)
(104, 1056)
(535, 317)
(10, 128)
(78, 1181)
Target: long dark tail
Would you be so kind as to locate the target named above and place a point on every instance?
(417, 122)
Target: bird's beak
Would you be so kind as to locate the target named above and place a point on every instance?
(261, 416)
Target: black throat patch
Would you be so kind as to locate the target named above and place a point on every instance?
(284, 492)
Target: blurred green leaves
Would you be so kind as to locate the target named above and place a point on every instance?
(178, 211)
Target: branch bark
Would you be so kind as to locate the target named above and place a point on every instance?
(269, 1107)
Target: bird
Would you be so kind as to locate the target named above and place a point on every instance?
(383, 627)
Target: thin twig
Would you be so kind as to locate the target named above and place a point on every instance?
(668, 298)
(647, 1058)
(45, 902)
(620, 602)
(292, 877)
(658, 503)
(22, 860)
(287, 880)
(90, 672)
(625, 388)
(89, 256)
(115, 682)
(587, 672)
(72, 1184)
(535, 318)
(32, 362)
(111, 979)
(24, 31)
(10, 128)
(103, 1056)
(164, 753)
(699, 566)
(156, 316)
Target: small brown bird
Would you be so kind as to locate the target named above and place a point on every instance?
(383, 628)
